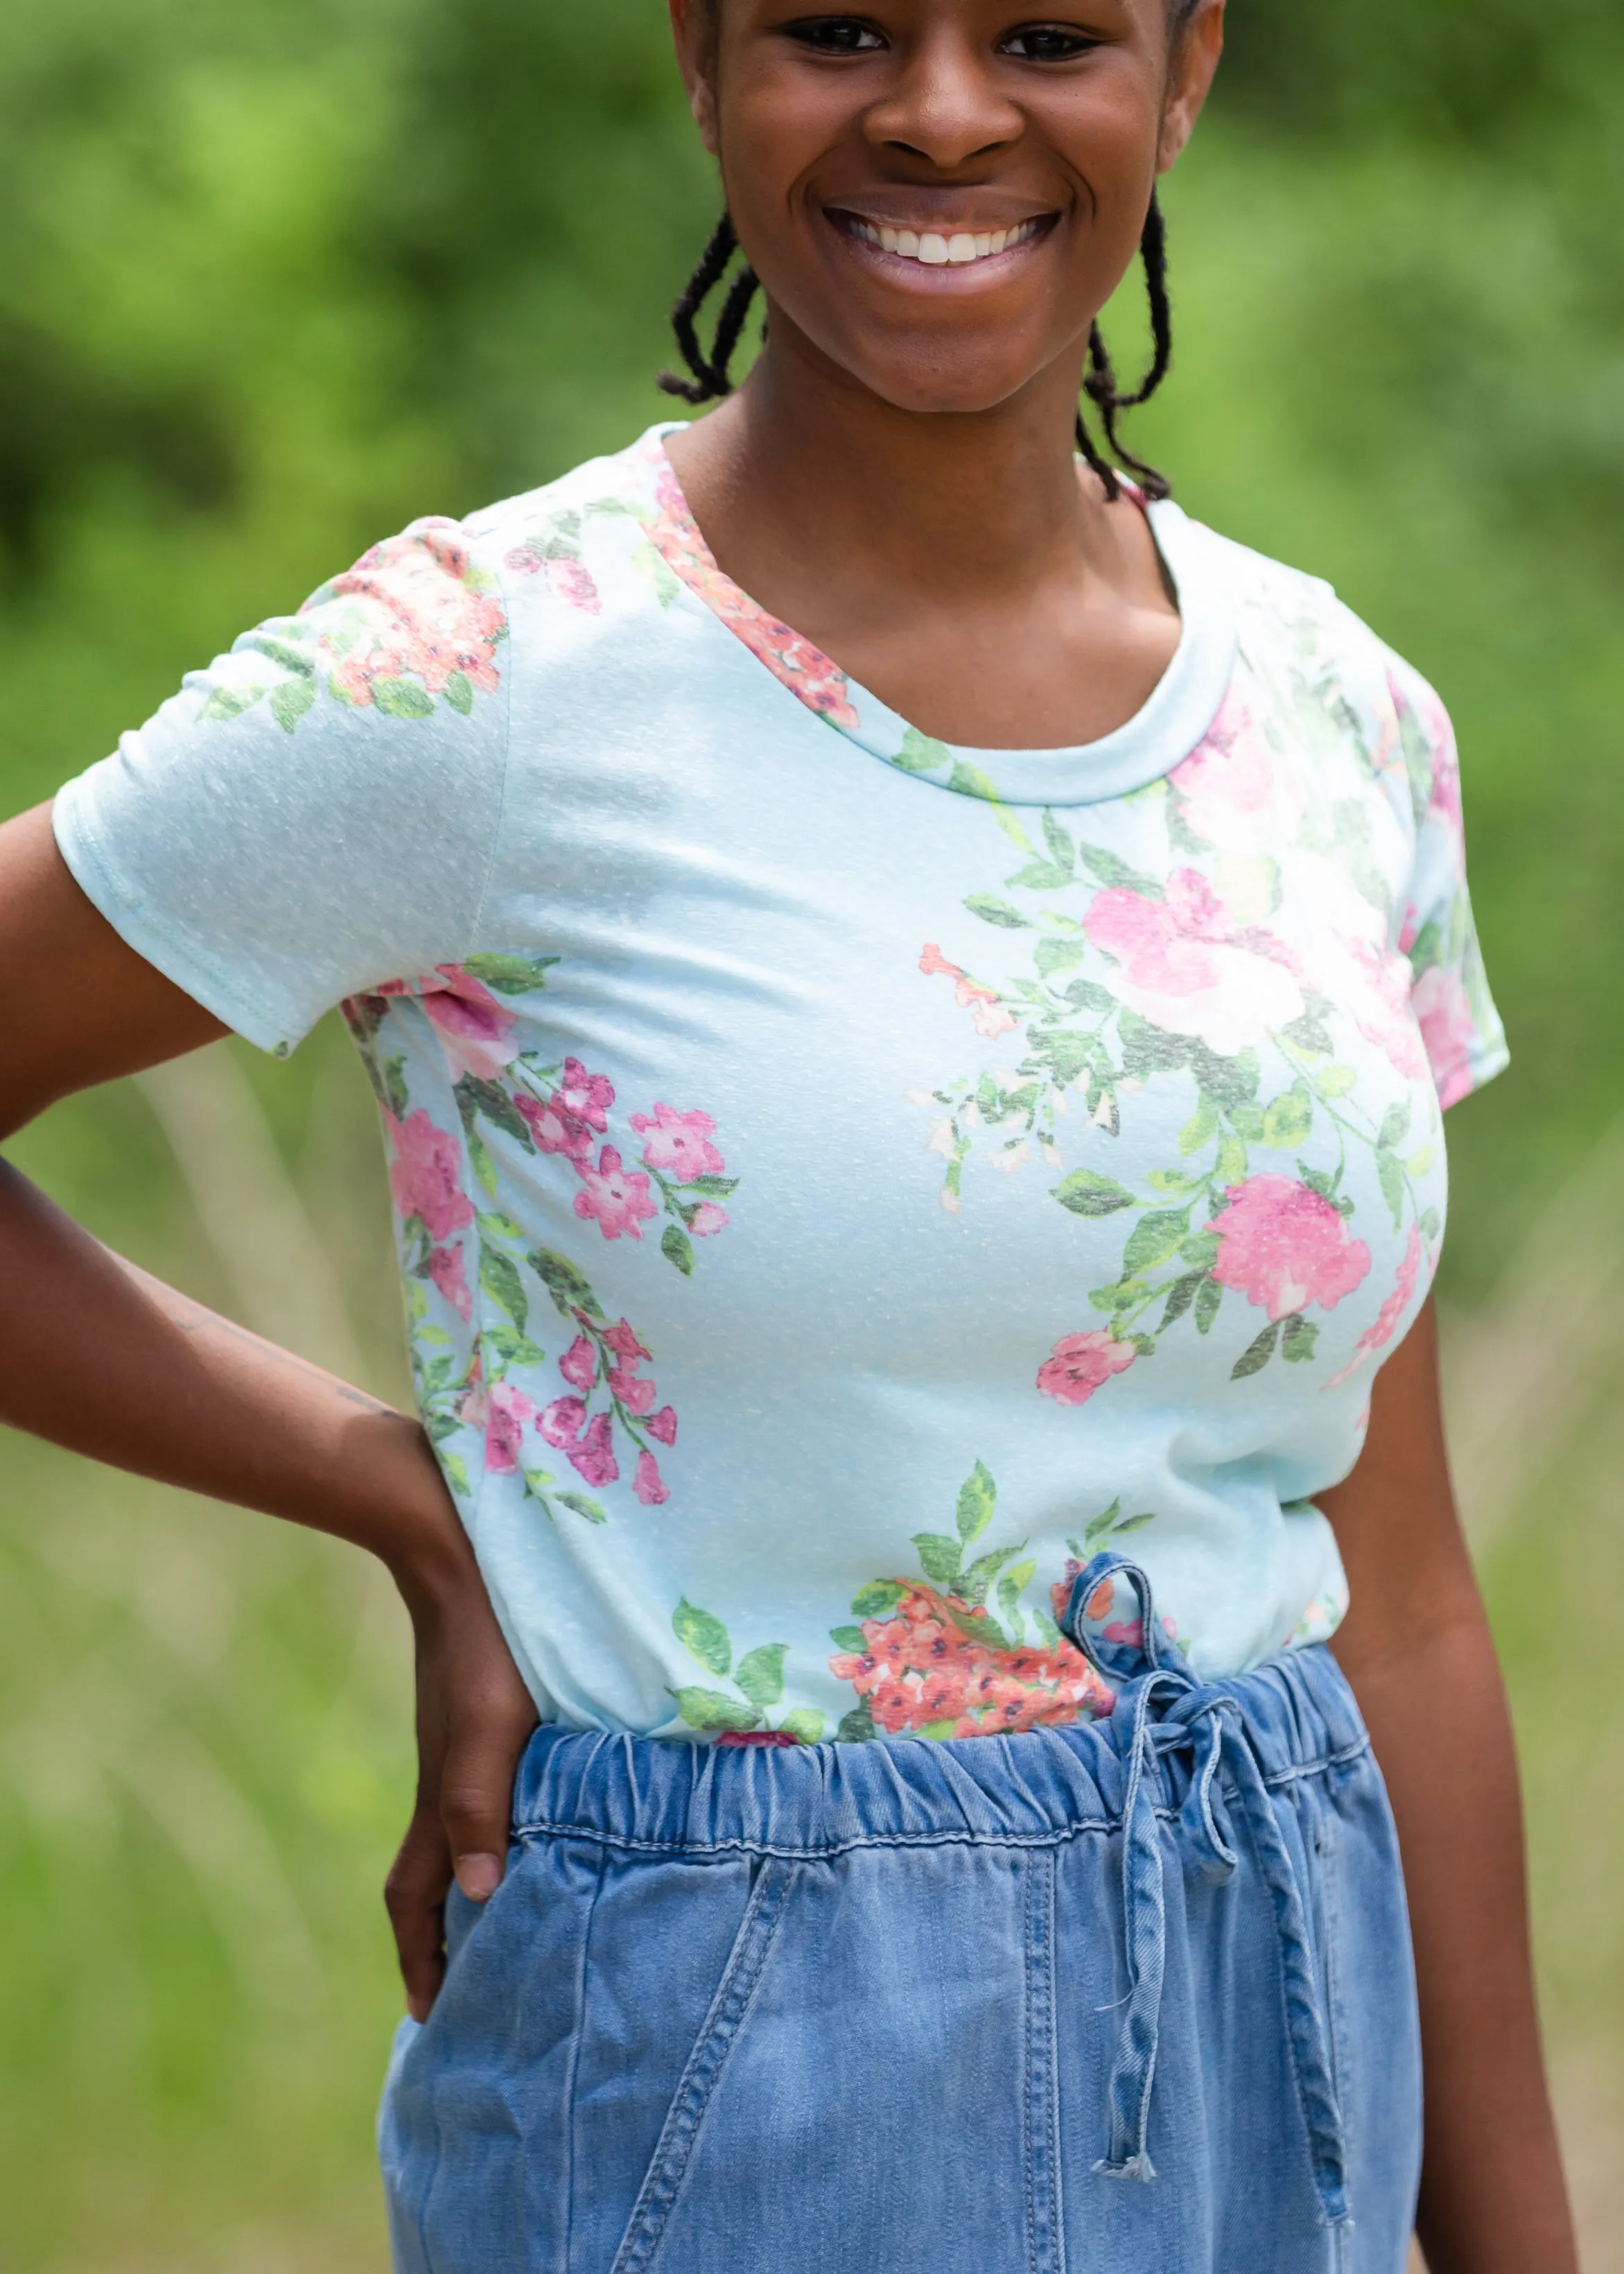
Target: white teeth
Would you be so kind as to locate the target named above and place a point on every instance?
(938, 251)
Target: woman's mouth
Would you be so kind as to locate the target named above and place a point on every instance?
(935, 248)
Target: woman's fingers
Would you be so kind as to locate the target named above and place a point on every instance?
(476, 1788)
(415, 1896)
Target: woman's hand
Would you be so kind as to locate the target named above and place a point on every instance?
(474, 1715)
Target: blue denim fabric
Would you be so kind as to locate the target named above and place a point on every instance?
(1132, 1998)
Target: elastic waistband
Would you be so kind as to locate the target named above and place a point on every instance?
(1044, 1786)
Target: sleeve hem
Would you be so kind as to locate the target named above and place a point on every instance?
(159, 943)
(1473, 1073)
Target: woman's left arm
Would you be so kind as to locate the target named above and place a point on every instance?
(1417, 1648)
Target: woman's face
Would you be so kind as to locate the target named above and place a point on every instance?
(941, 195)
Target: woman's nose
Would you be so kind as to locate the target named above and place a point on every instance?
(944, 103)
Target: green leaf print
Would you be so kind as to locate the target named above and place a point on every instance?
(1298, 1336)
(805, 1723)
(1257, 1354)
(1390, 1176)
(1086, 1192)
(940, 1558)
(511, 974)
(569, 1289)
(1133, 1523)
(1111, 871)
(402, 698)
(1061, 851)
(922, 754)
(500, 1278)
(976, 1582)
(678, 1248)
(290, 701)
(460, 692)
(710, 1709)
(1009, 1590)
(857, 1726)
(394, 1087)
(712, 1188)
(1156, 1238)
(1394, 1128)
(474, 1095)
(456, 1472)
(1230, 1081)
(1087, 994)
(761, 1674)
(1098, 1528)
(580, 1504)
(704, 1636)
(877, 1600)
(1180, 1295)
(978, 1496)
(1197, 1135)
(996, 912)
(1039, 877)
(230, 703)
(849, 1638)
(1052, 955)
(1148, 1050)
(1207, 1307)
(479, 1157)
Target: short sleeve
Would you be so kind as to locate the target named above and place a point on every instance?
(1460, 1026)
(317, 812)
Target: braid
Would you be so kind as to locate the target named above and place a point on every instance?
(1101, 385)
(710, 378)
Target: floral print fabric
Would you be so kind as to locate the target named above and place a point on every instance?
(841, 1182)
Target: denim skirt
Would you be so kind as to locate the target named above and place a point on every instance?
(1130, 1997)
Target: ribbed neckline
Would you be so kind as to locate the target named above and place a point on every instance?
(1166, 728)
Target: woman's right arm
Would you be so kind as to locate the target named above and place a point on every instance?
(100, 1357)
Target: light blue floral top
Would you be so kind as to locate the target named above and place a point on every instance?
(842, 1180)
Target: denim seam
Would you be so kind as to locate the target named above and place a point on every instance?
(1051, 1836)
(1045, 2222)
(662, 2184)
(577, 2038)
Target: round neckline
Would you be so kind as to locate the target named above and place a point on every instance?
(1172, 722)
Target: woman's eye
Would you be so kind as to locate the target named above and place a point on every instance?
(837, 35)
(1046, 44)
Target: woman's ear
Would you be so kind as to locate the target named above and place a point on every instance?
(693, 25)
(1195, 60)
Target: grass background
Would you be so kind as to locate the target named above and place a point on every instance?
(276, 275)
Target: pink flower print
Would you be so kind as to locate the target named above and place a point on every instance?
(477, 1037)
(1374, 984)
(648, 1484)
(678, 1144)
(447, 1271)
(634, 1392)
(1234, 792)
(572, 579)
(1377, 1336)
(990, 1016)
(507, 1410)
(622, 1340)
(663, 1424)
(708, 1218)
(424, 615)
(587, 1096)
(1448, 1032)
(579, 1364)
(617, 1197)
(1080, 1364)
(562, 1422)
(1187, 968)
(425, 1175)
(554, 1130)
(594, 1457)
(1284, 1246)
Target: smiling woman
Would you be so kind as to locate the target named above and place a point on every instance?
(913, 1447)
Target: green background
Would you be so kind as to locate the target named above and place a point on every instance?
(276, 275)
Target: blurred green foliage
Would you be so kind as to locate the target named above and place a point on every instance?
(276, 275)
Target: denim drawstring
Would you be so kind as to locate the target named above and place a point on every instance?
(1172, 1713)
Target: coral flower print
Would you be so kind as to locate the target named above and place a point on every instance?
(1081, 1364)
(990, 1016)
(1284, 1247)
(617, 1197)
(425, 1175)
(507, 1410)
(428, 625)
(679, 1143)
